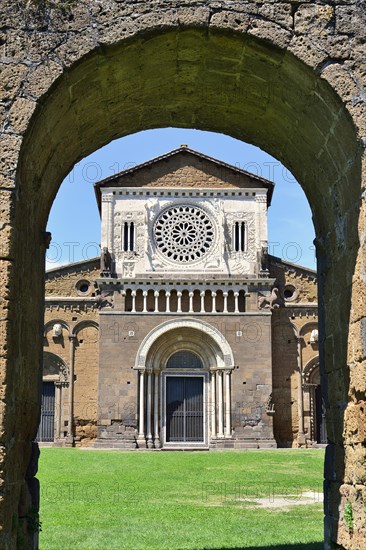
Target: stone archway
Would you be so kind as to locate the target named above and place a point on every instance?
(286, 77)
(56, 375)
(312, 407)
(201, 331)
(216, 364)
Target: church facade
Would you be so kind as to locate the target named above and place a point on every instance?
(186, 334)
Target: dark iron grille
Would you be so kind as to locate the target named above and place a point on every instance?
(47, 422)
(184, 409)
(184, 360)
(321, 428)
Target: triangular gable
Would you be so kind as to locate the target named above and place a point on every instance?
(184, 167)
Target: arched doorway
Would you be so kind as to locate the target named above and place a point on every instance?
(184, 398)
(314, 409)
(55, 380)
(184, 394)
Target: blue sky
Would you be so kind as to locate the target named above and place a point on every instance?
(74, 219)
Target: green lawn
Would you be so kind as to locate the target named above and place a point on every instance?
(179, 500)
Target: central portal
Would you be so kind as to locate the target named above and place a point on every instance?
(184, 409)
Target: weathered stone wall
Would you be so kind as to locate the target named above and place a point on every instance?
(63, 281)
(251, 379)
(296, 317)
(80, 319)
(286, 76)
(303, 280)
(286, 322)
(77, 307)
(186, 171)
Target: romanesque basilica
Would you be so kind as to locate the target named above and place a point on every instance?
(186, 333)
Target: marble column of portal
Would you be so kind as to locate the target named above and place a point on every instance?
(156, 411)
(149, 410)
(220, 405)
(141, 442)
(213, 404)
(227, 404)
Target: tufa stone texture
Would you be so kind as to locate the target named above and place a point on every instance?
(76, 77)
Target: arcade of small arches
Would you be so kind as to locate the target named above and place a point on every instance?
(181, 300)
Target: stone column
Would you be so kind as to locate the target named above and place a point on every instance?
(191, 302)
(156, 296)
(156, 411)
(202, 294)
(107, 231)
(300, 395)
(70, 431)
(213, 404)
(167, 303)
(227, 404)
(141, 435)
(144, 294)
(133, 296)
(149, 409)
(58, 409)
(213, 302)
(225, 295)
(179, 306)
(236, 298)
(220, 405)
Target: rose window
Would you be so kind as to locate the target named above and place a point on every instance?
(184, 233)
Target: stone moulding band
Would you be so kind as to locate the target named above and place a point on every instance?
(201, 326)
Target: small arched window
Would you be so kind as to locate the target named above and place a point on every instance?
(240, 237)
(184, 360)
(128, 237)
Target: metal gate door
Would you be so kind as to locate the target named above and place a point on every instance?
(184, 409)
(47, 424)
(321, 428)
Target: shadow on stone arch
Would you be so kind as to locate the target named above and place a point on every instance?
(220, 81)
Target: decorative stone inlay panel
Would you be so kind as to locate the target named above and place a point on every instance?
(249, 218)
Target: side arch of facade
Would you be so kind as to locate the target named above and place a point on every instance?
(57, 321)
(84, 324)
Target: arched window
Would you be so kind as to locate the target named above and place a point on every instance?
(184, 360)
(240, 237)
(128, 237)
